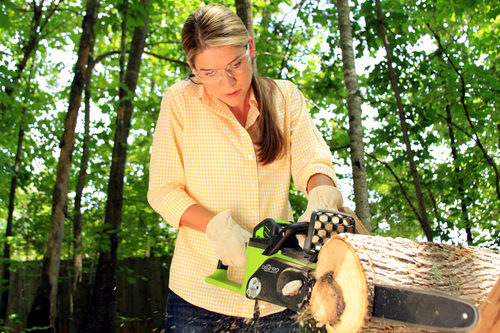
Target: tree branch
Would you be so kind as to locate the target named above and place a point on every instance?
(178, 62)
(393, 77)
(400, 183)
(490, 161)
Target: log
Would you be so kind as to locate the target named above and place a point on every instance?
(489, 312)
(349, 266)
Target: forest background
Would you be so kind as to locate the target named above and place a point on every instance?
(81, 89)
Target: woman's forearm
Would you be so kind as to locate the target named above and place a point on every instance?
(317, 180)
(196, 217)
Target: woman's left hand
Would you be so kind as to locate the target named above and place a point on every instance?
(322, 197)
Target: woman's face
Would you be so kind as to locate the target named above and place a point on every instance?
(226, 73)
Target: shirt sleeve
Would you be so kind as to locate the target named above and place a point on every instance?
(167, 181)
(309, 152)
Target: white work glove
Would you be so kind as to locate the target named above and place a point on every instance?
(229, 238)
(322, 197)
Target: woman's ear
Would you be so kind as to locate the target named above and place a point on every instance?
(252, 46)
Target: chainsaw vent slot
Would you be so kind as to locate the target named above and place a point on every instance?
(323, 225)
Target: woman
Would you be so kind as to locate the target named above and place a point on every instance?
(226, 144)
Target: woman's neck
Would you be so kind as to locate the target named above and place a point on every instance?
(241, 111)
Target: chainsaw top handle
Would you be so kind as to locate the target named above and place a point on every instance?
(286, 233)
(276, 235)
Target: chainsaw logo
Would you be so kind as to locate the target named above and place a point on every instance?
(270, 269)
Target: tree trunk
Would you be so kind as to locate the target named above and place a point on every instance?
(10, 218)
(43, 311)
(350, 265)
(80, 186)
(422, 217)
(354, 109)
(29, 45)
(288, 47)
(28, 48)
(244, 11)
(102, 313)
(458, 174)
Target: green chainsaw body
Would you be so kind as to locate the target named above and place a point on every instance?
(274, 258)
(254, 260)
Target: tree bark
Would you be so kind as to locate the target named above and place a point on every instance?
(27, 49)
(350, 265)
(43, 311)
(291, 42)
(29, 46)
(102, 313)
(422, 216)
(458, 174)
(80, 186)
(354, 110)
(244, 11)
(10, 221)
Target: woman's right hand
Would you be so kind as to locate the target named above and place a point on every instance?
(229, 238)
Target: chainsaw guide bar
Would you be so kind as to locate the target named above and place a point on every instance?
(416, 307)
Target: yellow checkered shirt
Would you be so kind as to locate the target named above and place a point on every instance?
(201, 154)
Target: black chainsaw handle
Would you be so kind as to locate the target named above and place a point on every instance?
(290, 230)
(220, 265)
(285, 233)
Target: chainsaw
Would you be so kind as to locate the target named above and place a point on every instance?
(274, 260)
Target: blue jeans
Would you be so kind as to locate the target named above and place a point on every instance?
(183, 317)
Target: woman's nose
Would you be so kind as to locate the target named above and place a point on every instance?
(230, 77)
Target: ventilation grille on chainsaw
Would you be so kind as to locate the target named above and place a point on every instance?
(325, 224)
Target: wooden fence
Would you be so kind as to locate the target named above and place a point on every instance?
(142, 287)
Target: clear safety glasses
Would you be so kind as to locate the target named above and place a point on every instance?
(234, 68)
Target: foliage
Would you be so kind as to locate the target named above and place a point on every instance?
(429, 84)
(296, 40)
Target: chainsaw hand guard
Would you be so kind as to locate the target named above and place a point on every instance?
(323, 225)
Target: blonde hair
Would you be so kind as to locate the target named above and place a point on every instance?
(215, 26)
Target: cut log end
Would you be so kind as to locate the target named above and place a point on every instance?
(339, 296)
(327, 302)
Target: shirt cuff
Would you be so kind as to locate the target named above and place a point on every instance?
(173, 206)
(313, 169)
